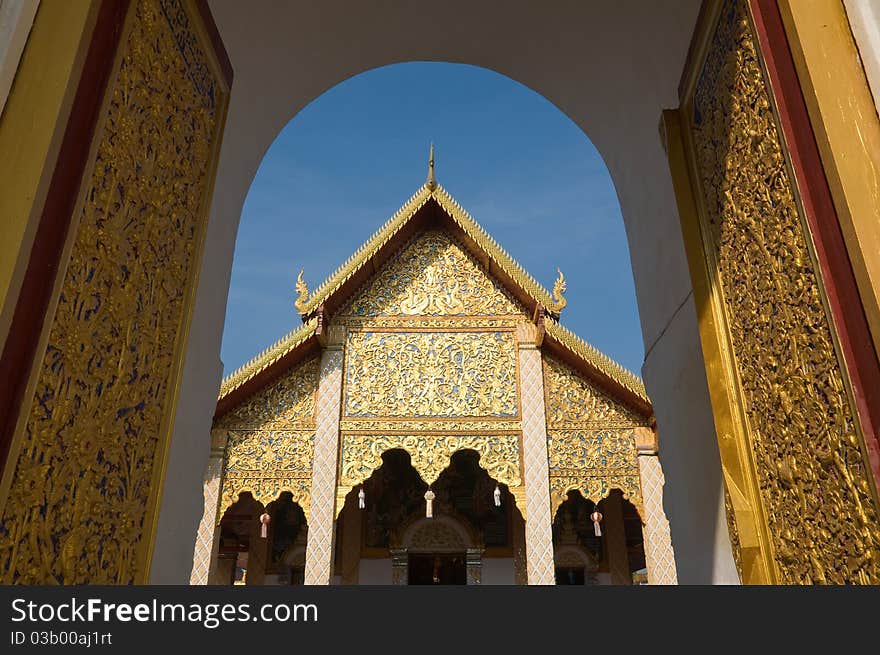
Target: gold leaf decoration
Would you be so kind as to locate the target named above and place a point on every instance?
(430, 374)
(83, 478)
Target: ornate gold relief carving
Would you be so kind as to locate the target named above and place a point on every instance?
(86, 471)
(432, 276)
(572, 402)
(271, 439)
(594, 463)
(410, 426)
(423, 374)
(789, 388)
(591, 443)
(286, 404)
(362, 454)
(268, 462)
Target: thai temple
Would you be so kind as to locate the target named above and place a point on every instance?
(432, 422)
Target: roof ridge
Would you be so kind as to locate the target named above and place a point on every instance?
(599, 360)
(267, 357)
(463, 219)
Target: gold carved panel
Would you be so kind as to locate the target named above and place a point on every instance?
(573, 402)
(593, 462)
(267, 462)
(362, 454)
(286, 404)
(271, 440)
(86, 470)
(792, 416)
(432, 276)
(431, 374)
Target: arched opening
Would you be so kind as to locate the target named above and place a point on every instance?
(613, 86)
(384, 534)
(260, 545)
(598, 543)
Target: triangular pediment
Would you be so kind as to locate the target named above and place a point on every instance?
(429, 208)
(432, 275)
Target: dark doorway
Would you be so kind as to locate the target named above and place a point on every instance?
(437, 569)
(566, 575)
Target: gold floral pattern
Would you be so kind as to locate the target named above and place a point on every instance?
(85, 474)
(801, 428)
(574, 402)
(362, 454)
(271, 439)
(285, 404)
(432, 276)
(430, 374)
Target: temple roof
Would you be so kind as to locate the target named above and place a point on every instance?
(418, 212)
(500, 261)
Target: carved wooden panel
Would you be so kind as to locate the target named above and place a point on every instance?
(87, 465)
(431, 374)
(790, 389)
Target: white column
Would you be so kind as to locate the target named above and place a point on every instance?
(539, 534)
(659, 556)
(319, 547)
(206, 537)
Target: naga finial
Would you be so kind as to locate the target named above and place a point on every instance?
(303, 290)
(559, 287)
(431, 182)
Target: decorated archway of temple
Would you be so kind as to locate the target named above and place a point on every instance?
(432, 344)
(766, 290)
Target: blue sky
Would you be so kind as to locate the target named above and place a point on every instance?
(350, 159)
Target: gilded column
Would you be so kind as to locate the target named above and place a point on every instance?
(659, 556)
(539, 536)
(319, 548)
(206, 537)
(615, 538)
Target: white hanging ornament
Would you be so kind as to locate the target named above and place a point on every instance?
(497, 496)
(264, 525)
(362, 497)
(597, 518)
(429, 506)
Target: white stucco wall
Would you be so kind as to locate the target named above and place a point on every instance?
(610, 66)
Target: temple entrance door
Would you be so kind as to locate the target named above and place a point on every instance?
(437, 569)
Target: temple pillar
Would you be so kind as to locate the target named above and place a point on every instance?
(207, 537)
(615, 538)
(399, 566)
(319, 548)
(539, 535)
(518, 541)
(474, 566)
(223, 569)
(258, 556)
(352, 526)
(659, 556)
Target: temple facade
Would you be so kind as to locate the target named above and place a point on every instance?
(432, 422)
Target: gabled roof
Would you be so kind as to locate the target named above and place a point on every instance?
(416, 213)
(500, 263)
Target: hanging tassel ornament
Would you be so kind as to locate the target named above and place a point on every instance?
(597, 518)
(362, 497)
(264, 525)
(497, 496)
(429, 507)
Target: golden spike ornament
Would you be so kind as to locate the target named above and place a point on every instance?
(559, 288)
(303, 290)
(431, 182)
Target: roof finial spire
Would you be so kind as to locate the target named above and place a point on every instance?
(431, 182)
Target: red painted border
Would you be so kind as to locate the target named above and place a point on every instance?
(840, 283)
(216, 41)
(54, 223)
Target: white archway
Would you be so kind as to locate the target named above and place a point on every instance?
(610, 67)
